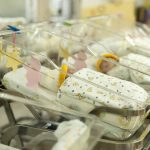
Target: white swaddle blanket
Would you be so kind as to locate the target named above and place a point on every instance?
(17, 81)
(135, 61)
(72, 135)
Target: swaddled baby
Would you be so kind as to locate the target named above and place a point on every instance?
(141, 63)
(83, 92)
(137, 69)
(90, 89)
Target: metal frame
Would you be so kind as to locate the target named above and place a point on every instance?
(139, 141)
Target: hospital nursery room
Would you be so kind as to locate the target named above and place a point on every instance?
(75, 74)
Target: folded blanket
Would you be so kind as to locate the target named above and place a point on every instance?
(72, 135)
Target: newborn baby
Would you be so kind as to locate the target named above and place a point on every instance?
(139, 62)
(85, 91)
(97, 89)
(134, 61)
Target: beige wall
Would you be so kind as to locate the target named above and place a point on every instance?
(12, 8)
(126, 9)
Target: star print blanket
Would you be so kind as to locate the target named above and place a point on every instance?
(103, 90)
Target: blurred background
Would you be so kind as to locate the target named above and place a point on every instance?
(57, 10)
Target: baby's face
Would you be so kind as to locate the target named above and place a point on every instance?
(106, 66)
(81, 55)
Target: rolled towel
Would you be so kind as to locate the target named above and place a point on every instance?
(72, 135)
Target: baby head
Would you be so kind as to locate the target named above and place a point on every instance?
(81, 55)
(105, 66)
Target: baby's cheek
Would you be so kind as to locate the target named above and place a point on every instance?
(71, 71)
(106, 66)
